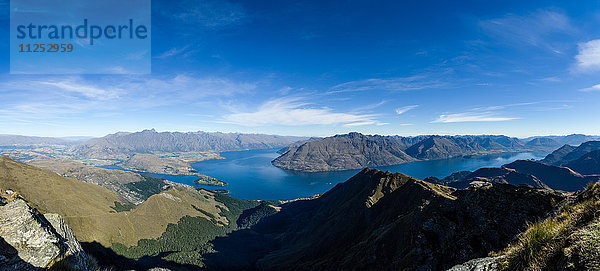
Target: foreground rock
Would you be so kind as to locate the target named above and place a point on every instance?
(29, 240)
(480, 264)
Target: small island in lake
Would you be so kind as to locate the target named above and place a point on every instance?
(206, 180)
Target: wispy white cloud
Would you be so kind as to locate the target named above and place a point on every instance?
(137, 55)
(173, 52)
(209, 14)
(416, 82)
(75, 86)
(592, 88)
(296, 112)
(368, 107)
(57, 96)
(497, 113)
(471, 117)
(498, 107)
(405, 109)
(360, 123)
(553, 79)
(534, 29)
(588, 57)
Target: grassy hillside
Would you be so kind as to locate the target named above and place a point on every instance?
(567, 240)
(124, 183)
(88, 208)
(85, 207)
(186, 241)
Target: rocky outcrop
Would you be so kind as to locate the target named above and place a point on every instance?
(479, 264)
(31, 241)
(72, 249)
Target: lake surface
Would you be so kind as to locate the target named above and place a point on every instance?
(251, 176)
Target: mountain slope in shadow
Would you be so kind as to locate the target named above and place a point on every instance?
(382, 221)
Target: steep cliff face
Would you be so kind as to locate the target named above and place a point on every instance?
(29, 240)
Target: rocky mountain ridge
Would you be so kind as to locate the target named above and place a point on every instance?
(356, 151)
(522, 172)
(382, 221)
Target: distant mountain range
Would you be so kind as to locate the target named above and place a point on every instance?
(124, 145)
(8, 140)
(356, 151)
(587, 164)
(568, 153)
(557, 141)
(118, 147)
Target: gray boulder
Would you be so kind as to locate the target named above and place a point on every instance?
(31, 241)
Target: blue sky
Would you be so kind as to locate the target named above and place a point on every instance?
(318, 68)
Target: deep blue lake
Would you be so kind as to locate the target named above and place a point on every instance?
(251, 176)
